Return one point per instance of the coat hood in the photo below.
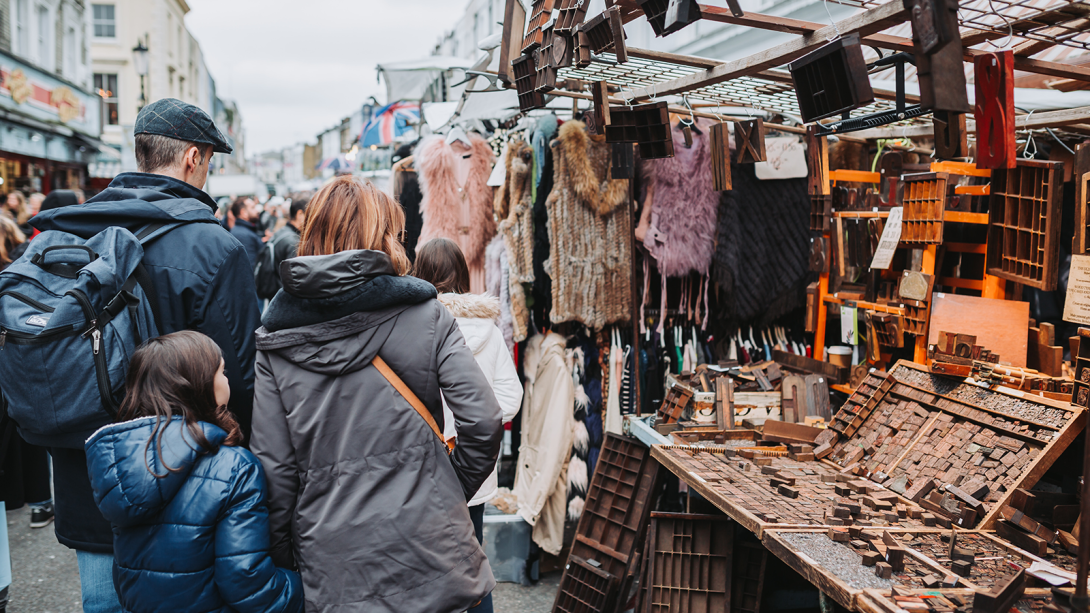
(336, 311)
(323, 288)
(118, 462)
(476, 315)
(132, 200)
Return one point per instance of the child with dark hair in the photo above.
(187, 505)
(440, 262)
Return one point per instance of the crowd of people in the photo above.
(300, 420)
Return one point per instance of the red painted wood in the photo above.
(994, 76)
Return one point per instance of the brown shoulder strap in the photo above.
(408, 394)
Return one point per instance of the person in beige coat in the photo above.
(548, 426)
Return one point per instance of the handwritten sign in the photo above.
(1077, 305)
(891, 235)
(786, 159)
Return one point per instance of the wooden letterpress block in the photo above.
(749, 141)
(938, 54)
(994, 77)
(960, 553)
(951, 136)
(788, 491)
(839, 535)
(871, 558)
(961, 568)
(720, 149)
(883, 570)
(931, 581)
(817, 161)
(842, 490)
(600, 93)
(769, 470)
(841, 512)
(761, 461)
(928, 519)
(895, 557)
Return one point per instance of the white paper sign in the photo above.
(786, 159)
(1077, 305)
(499, 171)
(891, 235)
(849, 326)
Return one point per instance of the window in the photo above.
(179, 39)
(70, 53)
(170, 34)
(22, 28)
(181, 87)
(44, 40)
(106, 88)
(105, 23)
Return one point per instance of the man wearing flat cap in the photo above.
(201, 280)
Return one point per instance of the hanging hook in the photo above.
(833, 21)
(1006, 22)
(904, 136)
(692, 117)
(718, 113)
(1026, 153)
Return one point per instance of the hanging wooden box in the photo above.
(525, 83)
(939, 63)
(685, 12)
(924, 204)
(645, 124)
(832, 80)
(554, 54)
(540, 13)
(571, 14)
(951, 137)
(605, 32)
(719, 140)
(821, 211)
(1024, 223)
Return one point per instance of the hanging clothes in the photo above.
(762, 257)
(405, 188)
(514, 209)
(589, 227)
(548, 429)
(616, 368)
(679, 217)
(457, 202)
(543, 285)
(497, 283)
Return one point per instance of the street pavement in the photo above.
(45, 578)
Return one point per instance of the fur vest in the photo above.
(514, 208)
(461, 213)
(684, 206)
(590, 224)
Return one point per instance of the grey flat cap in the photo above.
(178, 120)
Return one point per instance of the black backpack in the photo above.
(266, 276)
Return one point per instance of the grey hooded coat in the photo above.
(362, 494)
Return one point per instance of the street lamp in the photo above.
(140, 63)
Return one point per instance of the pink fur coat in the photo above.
(462, 213)
(684, 206)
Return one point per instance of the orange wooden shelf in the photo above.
(977, 284)
(964, 169)
(962, 217)
(980, 248)
(866, 306)
(855, 176)
(973, 190)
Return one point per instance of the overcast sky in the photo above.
(297, 67)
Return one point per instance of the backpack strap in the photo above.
(408, 394)
(143, 278)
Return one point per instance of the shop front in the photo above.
(49, 130)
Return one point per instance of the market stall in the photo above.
(800, 310)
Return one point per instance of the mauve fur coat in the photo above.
(589, 227)
(435, 163)
(683, 207)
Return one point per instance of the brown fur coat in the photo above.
(590, 223)
(514, 208)
(464, 217)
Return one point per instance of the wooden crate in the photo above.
(584, 588)
(924, 205)
(832, 80)
(914, 424)
(690, 563)
(615, 518)
(1024, 223)
(1081, 176)
(540, 14)
(570, 15)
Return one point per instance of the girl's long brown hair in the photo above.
(441, 262)
(174, 375)
(351, 213)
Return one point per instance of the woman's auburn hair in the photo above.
(350, 213)
(174, 376)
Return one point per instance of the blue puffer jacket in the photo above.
(195, 540)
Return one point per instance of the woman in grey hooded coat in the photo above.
(362, 495)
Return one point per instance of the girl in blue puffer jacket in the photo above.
(187, 505)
